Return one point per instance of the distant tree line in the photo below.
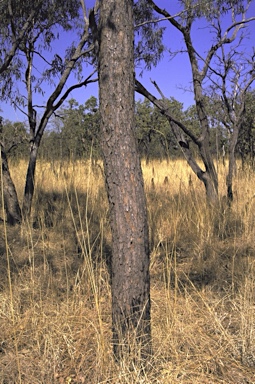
(73, 133)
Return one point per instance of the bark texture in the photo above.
(11, 203)
(124, 181)
(30, 183)
(232, 162)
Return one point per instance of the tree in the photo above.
(124, 182)
(79, 129)
(200, 67)
(61, 67)
(54, 20)
(9, 192)
(246, 139)
(231, 78)
(16, 21)
(14, 138)
(90, 140)
(73, 130)
(155, 140)
(48, 22)
(218, 133)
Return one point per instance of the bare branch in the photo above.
(84, 83)
(69, 66)
(83, 6)
(177, 127)
(167, 15)
(164, 109)
(237, 25)
(159, 20)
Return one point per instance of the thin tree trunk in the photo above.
(128, 214)
(30, 185)
(209, 175)
(12, 207)
(232, 163)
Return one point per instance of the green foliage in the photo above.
(78, 134)
(48, 13)
(50, 19)
(217, 132)
(155, 137)
(74, 133)
(246, 139)
(211, 8)
(149, 45)
(14, 139)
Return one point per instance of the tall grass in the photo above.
(55, 304)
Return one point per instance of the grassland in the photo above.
(55, 305)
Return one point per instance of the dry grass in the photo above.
(55, 315)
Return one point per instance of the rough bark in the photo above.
(124, 182)
(30, 183)
(232, 163)
(11, 203)
(209, 176)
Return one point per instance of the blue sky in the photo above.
(172, 75)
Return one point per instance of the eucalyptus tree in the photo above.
(46, 70)
(17, 18)
(72, 130)
(79, 130)
(90, 140)
(155, 139)
(201, 64)
(218, 133)
(146, 130)
(16, 22)
(231, 78)
(14, 139)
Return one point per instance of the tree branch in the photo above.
(176, 126)
(164, 109)
(16, 41)
(167, 15)
(84, 83)
(237, 25)
(159, 20)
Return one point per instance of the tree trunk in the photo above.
(209, 177)
(11, 203)
(232, 163)
(124, 182)
(29, 186)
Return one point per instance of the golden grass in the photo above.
(55, 307)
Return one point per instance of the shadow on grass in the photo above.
(65, 234)
(200, 248)
(196, 246)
